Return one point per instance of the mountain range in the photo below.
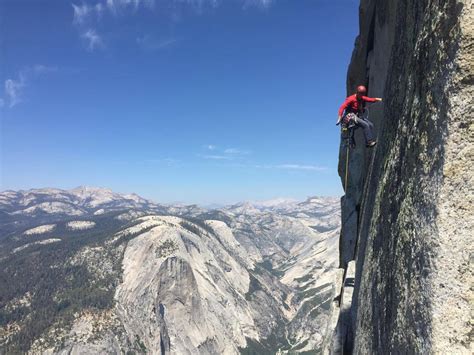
(89, 270)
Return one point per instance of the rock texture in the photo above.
(137, 277)
(407, 215)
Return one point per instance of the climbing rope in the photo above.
(364, 197)
(349, 142)
(347, 169)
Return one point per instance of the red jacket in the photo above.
(353, 105)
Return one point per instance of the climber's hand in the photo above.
(338, 120)
(379, 99)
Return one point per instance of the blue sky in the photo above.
(198, 101)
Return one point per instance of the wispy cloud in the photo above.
(14, 88)
(39, 69)
(215, 157)
(84, 12)
(241, 158)
(237, 158)
(301, 167)
(115, 6)
(81, 13)
(92, 39)
(231, 161)
(89, 17)
(293, 167)
(170, 162)
(200, 4)
(149, 43)
(223, 154)
(259, 3)
(235, 151)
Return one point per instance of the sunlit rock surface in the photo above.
(407, 217)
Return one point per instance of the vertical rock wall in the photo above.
(408, 209)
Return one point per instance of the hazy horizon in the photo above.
(209, 204)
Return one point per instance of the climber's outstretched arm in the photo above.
(371, 99)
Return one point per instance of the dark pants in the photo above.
(368, 128)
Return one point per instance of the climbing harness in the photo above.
(349, 124)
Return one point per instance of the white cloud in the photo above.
(86, 15)
(148, 43)
(116, 5)
(214, 3)
(215, 157)
(111, 5)
(90, 15)
(14, 88)
(171, 162)
(226, 154)
(301, 167)
(38, 69)
(260, 3)
(237, 158)
(83, 13)
(92, 39)
(235, 151)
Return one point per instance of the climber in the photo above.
(351, 112)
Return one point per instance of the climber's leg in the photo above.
(368, 128)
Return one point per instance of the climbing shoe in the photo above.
(371, 144)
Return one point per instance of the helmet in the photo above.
(361, 90)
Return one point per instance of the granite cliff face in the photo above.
(407, 215)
